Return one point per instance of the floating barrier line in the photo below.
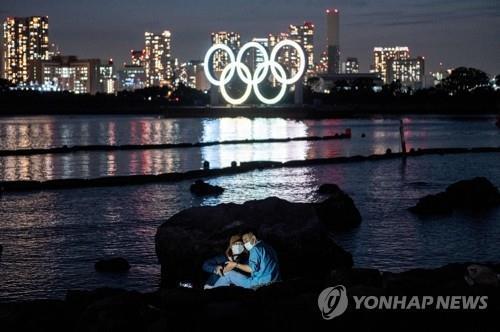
(111, 181)
(89, 148)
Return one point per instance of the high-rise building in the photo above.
(381, 55)
(284, 55)
(158, 58)
(274, 39)
(350, 66)
(220, 58)
(53, 50)
(322, 66)
(201, 81)
(192, 75)
(25, 39)
(107, 78)
(333, 40)
(256, 57)
(68, 73)
(137, 57)
(2, 64)
(304, 36)
(410, 72)
(131, 77)
(439, 75)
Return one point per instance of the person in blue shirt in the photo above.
(262, 266)
(214, 266)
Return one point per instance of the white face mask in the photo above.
(248, 246)
(237, 248)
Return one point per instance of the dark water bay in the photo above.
(51, 239)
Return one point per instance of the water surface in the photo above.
(51, 239)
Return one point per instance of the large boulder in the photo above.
(329, 189)
(124, 311)
(292, 305)
(338, 212)
(474, 194)
(201, 188)
(302, 241)
(112, 265)
(481, 275)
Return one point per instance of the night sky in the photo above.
(455, 32)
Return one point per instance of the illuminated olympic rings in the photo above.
(236, 66)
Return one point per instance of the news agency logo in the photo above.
(333, 302)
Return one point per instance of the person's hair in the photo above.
(249, 231)
(232, 240)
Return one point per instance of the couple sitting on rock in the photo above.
(247, 263)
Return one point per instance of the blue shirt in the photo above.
(264, 264)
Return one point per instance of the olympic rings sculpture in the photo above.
(236, 66)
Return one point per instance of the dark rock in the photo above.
(290, 305)
(126, 311)
(433, 204)
(329, 188)
(81, 299)
(356, 276)
(201, 188)
(292, 229)
(481, 275)
(260, 164)
(113, 265)
(443, 280)
(36, 315)
(281, 304)
(338, 212)
(473, 194)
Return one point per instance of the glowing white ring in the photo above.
(260, 74)
(301, 55)
(230, 68)
(281, 94)
(206, 64)
(260, 78)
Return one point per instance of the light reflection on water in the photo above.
(51, 239)
(16, 133)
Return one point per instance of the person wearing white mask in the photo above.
(215, 265)
(262, 266)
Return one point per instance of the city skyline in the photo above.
(440, 31)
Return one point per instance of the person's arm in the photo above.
(252, 266)
(210, 265)
(233, 265)
(244, 267)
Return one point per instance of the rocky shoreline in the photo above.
(310, 262)
(289, 306)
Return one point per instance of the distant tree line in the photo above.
(468, 86)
